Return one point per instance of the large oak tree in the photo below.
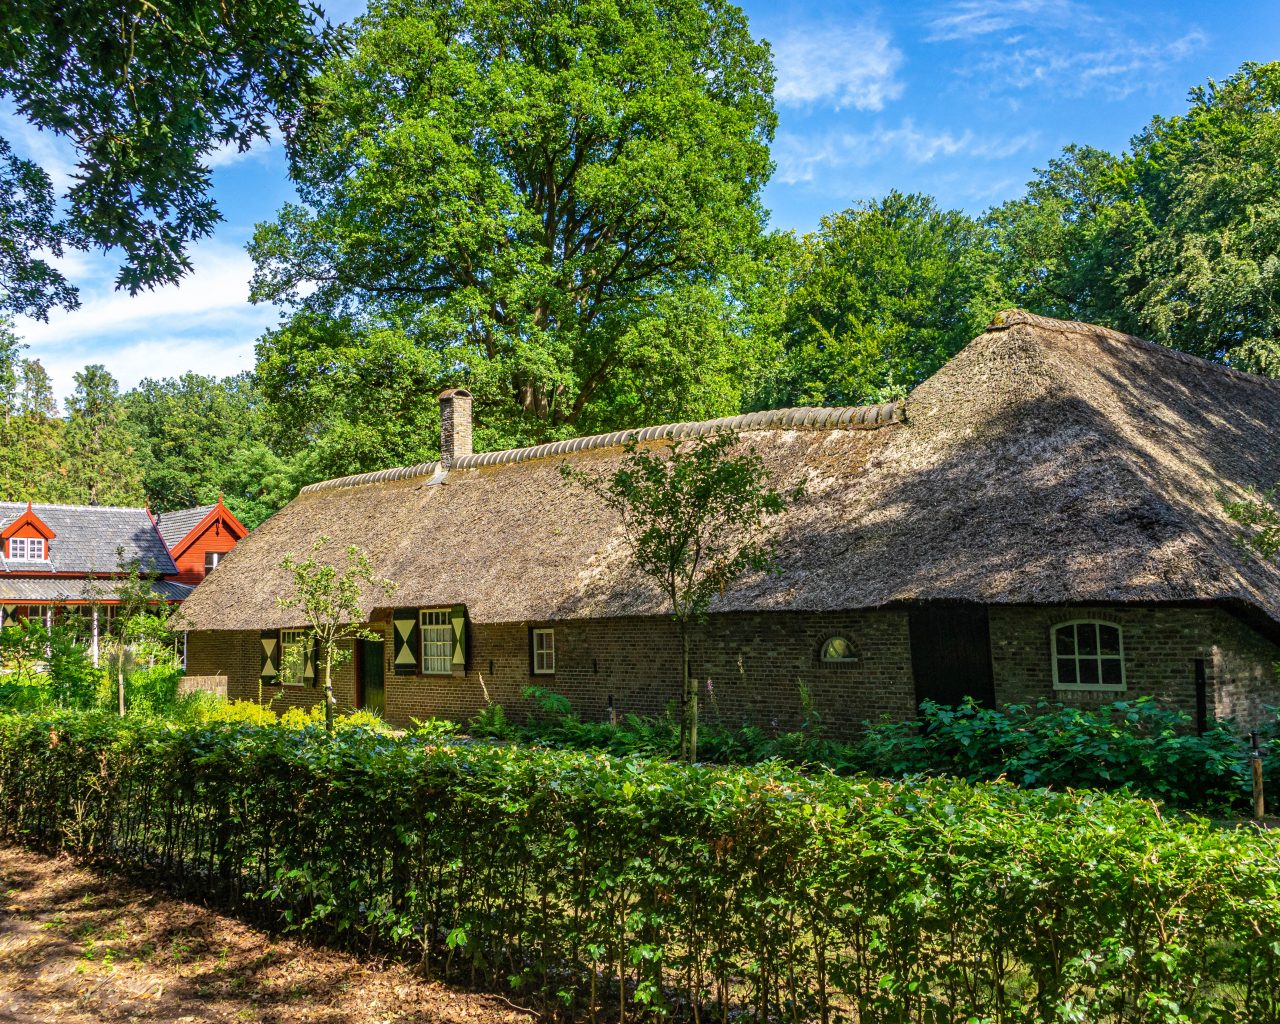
(555, 199)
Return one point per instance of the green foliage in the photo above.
(200, 437)
(1258, 515)
(330, 601)
(661, 891)
(1176, 240)
(45, 668)
(558, 203)
(145, 93)
(101, 449)
(878, 299)
(695, 516)
(1139, 746)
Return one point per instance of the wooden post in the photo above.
(95, 636)
(1255, 763)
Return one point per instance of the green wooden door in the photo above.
(371, 667)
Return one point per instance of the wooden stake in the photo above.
(1255, 763)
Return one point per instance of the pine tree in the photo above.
(101, 448)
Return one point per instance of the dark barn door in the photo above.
(370, 666)
(951, 655)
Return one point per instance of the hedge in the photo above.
(625, 887)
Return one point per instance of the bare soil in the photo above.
(86, 945)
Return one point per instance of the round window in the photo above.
(838, 649)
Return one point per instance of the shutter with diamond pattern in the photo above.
(270, 674)
(405, 646)
(458, 620)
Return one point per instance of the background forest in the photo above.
(564, 214)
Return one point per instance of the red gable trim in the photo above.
(219, 512)
(28, 518)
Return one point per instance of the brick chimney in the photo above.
(455, 424)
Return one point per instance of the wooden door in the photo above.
(370, 665)
(951, 654)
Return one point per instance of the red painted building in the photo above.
(55, 559)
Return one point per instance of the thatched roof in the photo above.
(1048, 462)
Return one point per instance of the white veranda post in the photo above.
(95, 636)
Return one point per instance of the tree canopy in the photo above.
(1177, 240)
(144, 92)
(550, 200)
(877, 299)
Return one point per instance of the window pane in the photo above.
(837, 649)
(1087, 638)
(1089, 672)
(1066, 640)
(437, 642)
(1111, 672)
(1109, 639)
(1067, 672)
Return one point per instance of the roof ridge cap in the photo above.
(846, 417)
(1007, 318)
(83, 508)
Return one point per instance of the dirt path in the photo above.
(80, 945)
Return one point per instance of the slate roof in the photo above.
(87, 539)
(64, 590)
(174, 526)
(1049, 462)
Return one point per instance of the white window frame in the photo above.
(853, 651)
(544, 658)
(292, 674)
(30, 545)
(1077, 657)
(216, 556)
(436, 628)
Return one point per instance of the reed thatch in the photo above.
(1049, 462)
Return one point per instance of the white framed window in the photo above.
(293, 656)
(28, 549)
(544, 652)
(839, 651)
(437, 642)
(211, 560)
(1087, 655)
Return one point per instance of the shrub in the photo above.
(660, 890)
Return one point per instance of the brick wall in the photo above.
(758, 665)
(1161, 647)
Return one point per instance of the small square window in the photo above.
(211, 560)
(544, 652)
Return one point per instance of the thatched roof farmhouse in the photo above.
(1039, 519)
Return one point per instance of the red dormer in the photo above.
(198, 538)
(27, 540)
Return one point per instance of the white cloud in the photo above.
(802, 160)
(969, 19)
(54, 153)
(205, 324)
(1118, 69)
(1115, 53)
(842, 66)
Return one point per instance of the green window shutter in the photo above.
(458, 619)
(270, 673)
(406, 648)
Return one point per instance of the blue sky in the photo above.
(961, 99)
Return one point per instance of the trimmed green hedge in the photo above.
(741, 892)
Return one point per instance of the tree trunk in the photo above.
(328, 693)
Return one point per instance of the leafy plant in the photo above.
(654, 890)
(695, 515)
(330, 603)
